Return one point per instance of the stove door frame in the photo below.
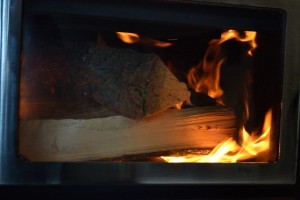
(16, 171)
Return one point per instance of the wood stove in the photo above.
(149, 92)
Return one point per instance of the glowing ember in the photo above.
(132, 38)
(230, 151)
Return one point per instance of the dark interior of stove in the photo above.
(180, 41)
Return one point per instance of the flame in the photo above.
(205, 77)
(209, 81)
(249, 36)
(131, 38)
(178, 105)
(157, 43)
(230, 151)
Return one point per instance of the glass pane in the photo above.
(95, 88)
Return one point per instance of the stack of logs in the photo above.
(90, 102)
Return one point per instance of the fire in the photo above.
(249, 36)
(230, 151)
(205, 77)
(131, 38)
(209, 81)
(178, 106)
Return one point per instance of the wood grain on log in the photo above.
(77, 140)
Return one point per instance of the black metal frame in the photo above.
(16, 171)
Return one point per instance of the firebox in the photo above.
(149, 92)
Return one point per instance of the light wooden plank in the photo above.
(115, 136)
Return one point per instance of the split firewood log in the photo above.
(117, 136)
(127, 82)
(131, 84)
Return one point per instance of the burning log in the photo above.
(115, 136)
(127, 82)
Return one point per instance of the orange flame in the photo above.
(208, 82)
(132, 38)
(230, 151)
(249, 36)
(129, 38)
(179, 105)
(205, 77)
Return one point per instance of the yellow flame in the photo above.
(230, 151)
(131, 38)
(205, 78)
(249, 36)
